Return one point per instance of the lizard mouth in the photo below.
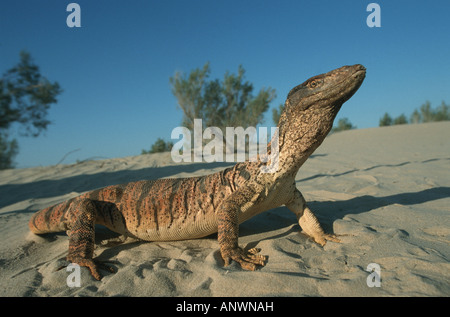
(352, 81)
(344, 89)
(360, 72)
(356, 75)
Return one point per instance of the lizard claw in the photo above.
(93, 266)
(249, 260)
(324, 237)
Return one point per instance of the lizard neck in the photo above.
(292, 154)
(298, 138)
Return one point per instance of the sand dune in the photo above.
(385, 190)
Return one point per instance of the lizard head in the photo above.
(313, 105)
(330, 89)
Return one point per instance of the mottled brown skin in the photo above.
(188, 208)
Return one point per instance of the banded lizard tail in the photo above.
(188, 208)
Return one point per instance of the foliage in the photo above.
(401, 119)
(25, 97)
(8, 150)
(386, 120)
(276, 114)
(342, 125)
(159, 146)
(428, 114)
(424, 114)
(219, 103)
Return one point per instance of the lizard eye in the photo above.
(315, 83)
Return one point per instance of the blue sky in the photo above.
(115, 69)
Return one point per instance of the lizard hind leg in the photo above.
(81, 218)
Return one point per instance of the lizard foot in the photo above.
(93, 266)
(249, 260)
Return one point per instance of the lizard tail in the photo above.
(48, 220)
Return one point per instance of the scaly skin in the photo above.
(188, 208)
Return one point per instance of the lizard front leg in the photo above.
(81, 217)
(228, 231)
(308, 221)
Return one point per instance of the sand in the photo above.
(385, 190)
